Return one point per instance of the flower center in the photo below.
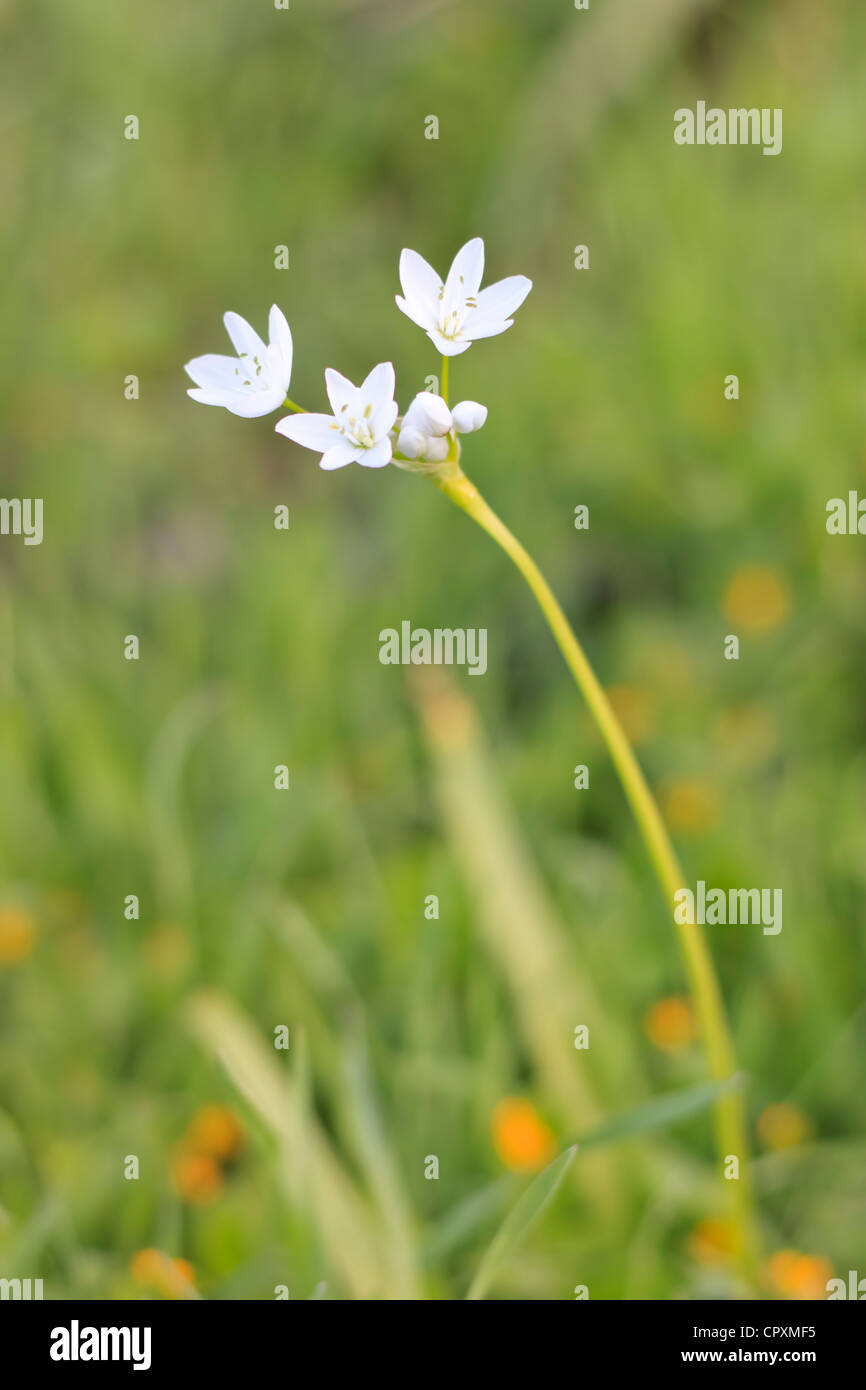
(360, 431)
(454, 313)
(252, 372)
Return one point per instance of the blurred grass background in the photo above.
(412, 1037)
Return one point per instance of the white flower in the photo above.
(428, 414)
(428, 422)
(359, 429)
(257, 380)
(410, 443)
(469, 416)
(453, 315)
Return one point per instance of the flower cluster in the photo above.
(365, 425)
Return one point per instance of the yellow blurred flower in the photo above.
(713, 1241)
(521, 1138)
(196, 1176)
(216, 1131)
(796, 1275)
(17, 934)
(757, 598)
(690, 805)
(781, 1126)
(670, 1024)
(635, 710)
(155, 1270)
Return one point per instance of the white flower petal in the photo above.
(435, 449)
(342, 393)
(498, 302)
(488, 328)
(429, 414)
(319, 432)
(251, 404)
(244, 338)
(421, 285)
(216, 372)
(377, 457)
(447, 346)
(467, 268)
(275, 373)
(469, 416)
(382, 420)
(339, 455)
(377, 388)
(410, 442)
(247, 404)
(208, 397)
(280, 336)
(425, 318)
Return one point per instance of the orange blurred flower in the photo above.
(781, 1126)
(757, 598)
(713, 1241)
(196, 1176)
(522, 1140)
(216, 1131)
(17, 933)
(155, 1270)
(670, 1024)
(797, 1275)
(690, 805)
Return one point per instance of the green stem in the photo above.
(731, 1130)
(289, 404)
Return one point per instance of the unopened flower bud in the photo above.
(410, 442)
(429, 414)
(436, 449)
(469, 416)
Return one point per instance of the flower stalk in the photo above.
(731, 1130)
(365, 427)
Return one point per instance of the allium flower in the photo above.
(363, 429)
(453, 315)
(359, 429)
(257, 380)
(428, 422)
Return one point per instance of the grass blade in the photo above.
(518, 1221)
(659, 1113)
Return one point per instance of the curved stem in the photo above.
(731, 1129)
